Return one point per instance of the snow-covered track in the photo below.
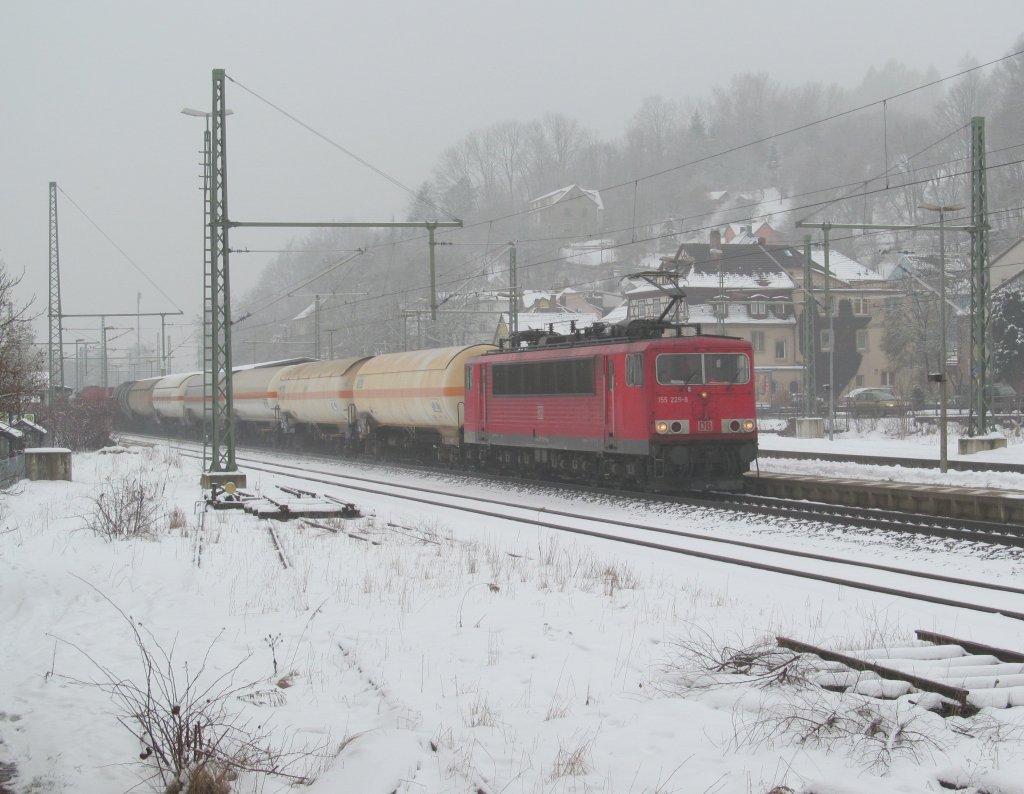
(876, 460)
(920, 585)
(972, 505)
(964, 529)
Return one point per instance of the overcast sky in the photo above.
(92, 91)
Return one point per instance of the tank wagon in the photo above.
(649, 403)
(414, 399)
(169, 395)
(316, 398)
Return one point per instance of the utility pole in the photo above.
(831, 339)
(56, 377)
(809, 335)
(316, 327)
(103, 351)
(138, 327)
(721, 302)
(941, 374)
(513, 292)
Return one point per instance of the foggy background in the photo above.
(92, 94)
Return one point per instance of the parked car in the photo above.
(872, 401)
(820, 404)
(1002, 399)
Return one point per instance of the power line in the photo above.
(119, 249)
(766, 138)
(693, 230)
(341, 148)
(305, 283)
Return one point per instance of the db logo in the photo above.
(704, 425)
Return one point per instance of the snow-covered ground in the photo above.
(452, 653)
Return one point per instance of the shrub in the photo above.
(127, 508)
(192, 742)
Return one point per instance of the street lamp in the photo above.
(942, 209)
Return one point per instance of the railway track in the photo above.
(946, 525)
(875, 518)
(908, 463)
(920, 585)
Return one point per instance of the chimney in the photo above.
(716, 238)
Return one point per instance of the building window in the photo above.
(886, 378)
(780, 349)
(757, 341)
(860, 306)
(862, 340)
(759, 308)
(859, 381)
(780, 309)
(721, 306)
(826, 340)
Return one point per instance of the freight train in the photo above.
(650, 404)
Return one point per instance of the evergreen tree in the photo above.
(1008, 334)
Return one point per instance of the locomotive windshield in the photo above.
(687, 369)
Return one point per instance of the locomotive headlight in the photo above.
(703, 395)
(661, 427)
(749, 425)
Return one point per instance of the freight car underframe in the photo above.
(718, 462)
(714, 463)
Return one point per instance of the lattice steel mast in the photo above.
(56, 341)
(218, 301)
(981, 315)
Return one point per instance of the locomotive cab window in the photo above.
(568, 376)
(635, 369)
(679, 369)
(727, 368)
(688, 369)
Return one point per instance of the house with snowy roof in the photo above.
(738, 290)
(570, 211)
(749, 233)
(757, 292)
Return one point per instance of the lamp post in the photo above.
(942, 209)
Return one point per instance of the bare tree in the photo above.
(20, 367)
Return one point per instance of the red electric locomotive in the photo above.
(621, 405)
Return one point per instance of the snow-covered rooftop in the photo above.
(562, 321)
(844, 268)
(558, 195)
